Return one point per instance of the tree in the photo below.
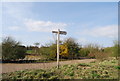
(68, 49)
(63, 51)
(72, 48)
(12, 50)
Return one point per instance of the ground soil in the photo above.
(11, 67)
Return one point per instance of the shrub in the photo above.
(84, 52)
(90, 50)
(101, 55)
(12, 50)
(72, 48)
(49, 52)
(116, 49)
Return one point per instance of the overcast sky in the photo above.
(87, 22)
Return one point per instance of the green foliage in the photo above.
(94, 74)
(101, 55)
(31, 74)
(53, 51)
(93, 51)
(36, 49)
(117, 67)
(92, 47)
(75, 71)
(73, 48)
(84, 52)
(83, 64)
(109, 51)
(90, 50)
(116, 49)
(30, 51)
(12, 50)
(49, 52)
(69, 49)
(109, 61)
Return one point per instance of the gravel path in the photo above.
(10, 67)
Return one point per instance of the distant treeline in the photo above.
(69, 49)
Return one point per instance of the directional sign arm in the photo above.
(54, 32)
(60, 32)
(63, 32)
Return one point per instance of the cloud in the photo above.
(14, 28)
(110, 31)
(43, 26)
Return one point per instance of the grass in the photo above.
(107, 69)
(30, 51)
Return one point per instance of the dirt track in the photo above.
(10, 67)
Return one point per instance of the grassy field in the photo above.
(30, 52)
(107, 69)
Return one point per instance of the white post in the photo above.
(58, 38)
(58, 41)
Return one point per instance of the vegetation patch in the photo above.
(75, 71)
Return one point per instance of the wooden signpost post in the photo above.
(58, 39)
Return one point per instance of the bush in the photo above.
(84, 52)
(12, 50)
(101, 55)
(49, 52)
(72, 48)
(114, 50)
(89, 50)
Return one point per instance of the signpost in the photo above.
(58, 39)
